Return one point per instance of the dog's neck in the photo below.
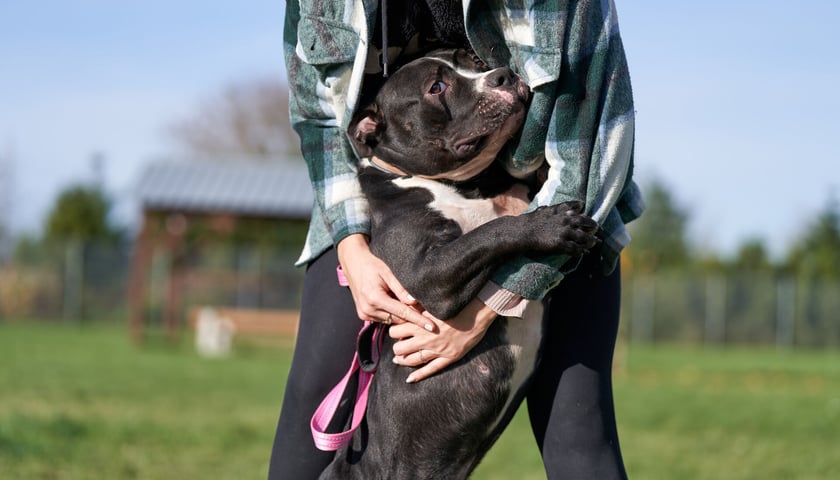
(464, 173)
(492, 181)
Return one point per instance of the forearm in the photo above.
(315, 107)
(585, 135)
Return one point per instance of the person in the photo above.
(580, 123)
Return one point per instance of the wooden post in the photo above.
(176, 227)
(141, 259)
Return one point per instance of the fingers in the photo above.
(429, 369)
(413, 316)
(374, 288)
(415, 359)
(429, 362)
(374, 303)
(400, 313)
(403, 310)
(397, 289)
(409, 338)
(433, 352)
(412, 347)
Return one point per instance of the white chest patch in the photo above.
(467, 213)
(523, 334)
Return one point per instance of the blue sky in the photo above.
(737, 101)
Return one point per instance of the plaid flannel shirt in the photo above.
(581, 118)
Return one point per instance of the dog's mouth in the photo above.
(471, 144)
(496, 119)
(500, 125)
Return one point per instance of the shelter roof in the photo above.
(277, 189)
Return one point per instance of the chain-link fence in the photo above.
(77, 282)
(71, 281)
(88, 282)
(760, 309)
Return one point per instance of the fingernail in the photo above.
(410, 379)
(410, 298)
(428, 327)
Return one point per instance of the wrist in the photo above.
(350, 246)
(484, 316)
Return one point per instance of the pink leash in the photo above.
(326, 411)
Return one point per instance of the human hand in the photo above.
(437, 350)
(378, 295)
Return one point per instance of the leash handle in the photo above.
(322, 417)
(329, 442)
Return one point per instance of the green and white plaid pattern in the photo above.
(581, 119)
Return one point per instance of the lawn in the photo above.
(80, 402)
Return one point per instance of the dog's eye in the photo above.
(437, 88)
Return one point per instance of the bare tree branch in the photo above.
(247, 120)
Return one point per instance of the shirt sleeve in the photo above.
(583, 124)
(319, 61)
(503, 302)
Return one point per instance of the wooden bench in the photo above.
(252, 321)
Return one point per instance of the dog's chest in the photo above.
(468, 213)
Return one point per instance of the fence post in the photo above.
(73, 283)
(644, 298)
(715, 325)
(785, 312)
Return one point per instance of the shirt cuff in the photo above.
(504, 302)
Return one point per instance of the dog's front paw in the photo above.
(563, 228)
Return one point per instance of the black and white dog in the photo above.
(429, 143)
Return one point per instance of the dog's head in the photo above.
(445, 115)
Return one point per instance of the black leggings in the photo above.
(569, 402)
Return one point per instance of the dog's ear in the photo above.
(365, 129)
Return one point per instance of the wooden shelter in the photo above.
(187, 204)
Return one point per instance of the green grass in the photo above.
(83, 403)
(79, 403)
(730, 413)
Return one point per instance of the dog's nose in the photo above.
(500, 77)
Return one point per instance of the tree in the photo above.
(659, 235)
(817, 253)
(752, 257)
(247, 120)
(80, 213)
